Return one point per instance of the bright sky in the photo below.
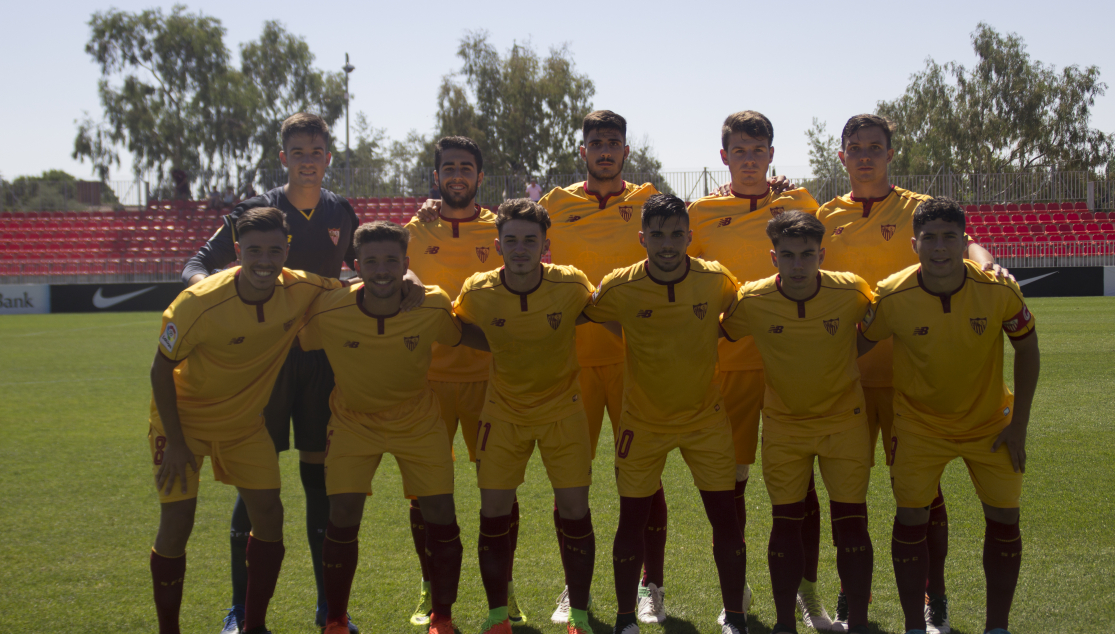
(674, 70)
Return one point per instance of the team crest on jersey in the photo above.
(482, 253)
(837, 231)
(335, 235)
(625, 212)
(554, 319)
(700, 310)
(411, 342)
(724, 222)
(287, 325)
(979, 324)
(887, 231)
(432, 250)
(832, 325)
(777, 211)
(169, 336)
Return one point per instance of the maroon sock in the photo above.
(937, 536)
(727, 547)
(418, 535)
(785, 558)
(513, 537)
(741, 509)
(443, 547)
(654, 541)
(1002, 559)
(167, 576)
(494, 548)
(811, 532)
(560, 540)
(855, 557)
(910, 555)
(265, 559)
(579, 544)
(627, 550)
(340, 553)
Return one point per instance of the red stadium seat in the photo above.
(1103, 215)
(995, 230)
(1081, 206)
(1040, 207)
(1073, 216)
(1078, 228)
(1022, 230)
(1017, 219)
(1087, 216)
(1045, 218)
(982, 230)
(1059, 217)
(1030, 218)
(975, 220)
(1091, 227)
(989, 219)
(1056, 238)
(1002, 219)
(1009, 230)
(1012, 207)
(971, 209)
(1042, 239)
(1107, 227)
(985, 209)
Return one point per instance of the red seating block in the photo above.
(1059, 217)
(1030, 218)
(985, 209)
(1103, 215)
(971, 209)
(975, 220)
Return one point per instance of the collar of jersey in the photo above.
(360, 305)
(604, 200)
(871, 200)
(646, 267)
(469, 219)
(503, 281)
(778, 284)
(749, 197)
(921, 283)
(278, 283)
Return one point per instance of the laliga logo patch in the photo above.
(170, 335)
(625, 212)
(411, 342)
(554, 319)
(832, 325)
(700, 310)
(335, 236)
(979, 324)
(482, 253)
(887, 231)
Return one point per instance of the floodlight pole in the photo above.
(348, 68)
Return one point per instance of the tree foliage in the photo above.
(1008, 113)
(823, 160)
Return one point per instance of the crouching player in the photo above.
(668, 306)
(528, 311)
(223, 343)
(803, 321)
(950, 401)
(382, 403)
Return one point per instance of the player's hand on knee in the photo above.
(176, 457)
(1000, 272)
(1014, 437)
(779, 184)
(429, 210)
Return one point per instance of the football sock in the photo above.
(811, 532)
(513, 537)
(738, 619)
(741, 508)
(494, 547)
(937, 536)
(418, 536)
(167, 576)
(910, 555)
(1002, 559)
(623, 619)
(317, 517)
(443, 543)
(727, 547)
(785, 558)
(238, 548)
(560, 541)
(579, 544)
(339, 554)
(654, 542)
(855, 557)
(627, 551)
(264, 560)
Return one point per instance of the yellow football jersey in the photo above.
(731, 229)
(534, 374)
(597, 234)
(948, 351)
(809, 351)
(231, 350)
(445, 253)
(671, 381)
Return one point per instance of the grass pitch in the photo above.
(80, 513)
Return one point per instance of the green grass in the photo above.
(79, 512)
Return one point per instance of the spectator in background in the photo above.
(534, 192)
(181, 180)
(229, 199)
(250, 192)
(214, 199)
(435, 191)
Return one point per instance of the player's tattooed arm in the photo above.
(473, 337)
(414, 292)
(177, 454)
(429, 210)
(1027, 367)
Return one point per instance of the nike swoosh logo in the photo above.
(100, 301)
(1034, 279)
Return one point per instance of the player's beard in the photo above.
(381, 292)
(459, 201)
(601, 176)
(668, 267)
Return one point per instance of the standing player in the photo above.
(222, 345)
(528, 311)
(803, 322)
(668, 306)
(867, 231)
(445, 252)
(383, 404)
(945, 315)
(730, 227)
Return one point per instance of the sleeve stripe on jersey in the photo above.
(840, 288)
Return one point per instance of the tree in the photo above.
(823, 160)
(1008, 113)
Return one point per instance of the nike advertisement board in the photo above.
(1081, 281)
(112, 298)
(24, 299)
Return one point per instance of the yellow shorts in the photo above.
(356, 444)
(461, 402)
(743, 396)
(880, 416)
(504, 449)
(917, 463)
(844, 458)
(602, 388)
(641, 456)
(249, 463)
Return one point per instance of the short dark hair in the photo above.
(603, 120)
(753, 124)
(458, 143)
(939, 208)
(522, 209)
(663, 206)
(305, 123)
(381, 231)
(861, 121)
(261, 219)
(795, 224)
